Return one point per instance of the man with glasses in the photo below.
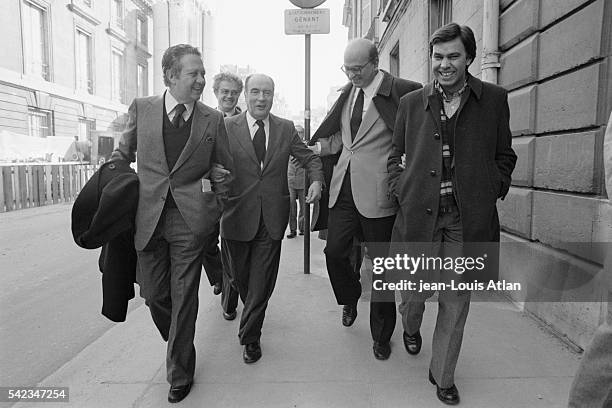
(355, 137)
(257, 212)
(227, 88)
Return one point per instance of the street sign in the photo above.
(307, 3)
(307, 21)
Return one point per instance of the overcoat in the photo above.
(482, 165)
(367, 153)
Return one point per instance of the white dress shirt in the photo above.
(171, 103)
(253, 126)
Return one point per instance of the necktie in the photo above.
(356, 115)
(178, 119)
(259, 142)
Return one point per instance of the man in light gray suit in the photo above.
(177, 140)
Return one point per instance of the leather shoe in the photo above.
(301, 232)
(252, 352)
(381, 350)
(449, 396)
(177, 394)
(413, 343)
(217, 288)
(229, 315)
(292, 234)
(349, 314)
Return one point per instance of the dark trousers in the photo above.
(296, 221)
(453, 307)
(169, 277)
(253, 265)
(345, 223)
(215, 272)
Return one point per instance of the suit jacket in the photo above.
(103, 215)
(483, 162)
(367, 154)
(207, 144)
(262, 192)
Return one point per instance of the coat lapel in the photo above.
(154, 123)
(243, 135)
(199, 124)
(370, 116)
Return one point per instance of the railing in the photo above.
(34, 185)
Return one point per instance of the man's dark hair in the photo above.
(451, 31)
(171, 61)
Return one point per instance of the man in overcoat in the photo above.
(176, 139)
(354, 141)
(452, 160)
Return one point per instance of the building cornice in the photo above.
(82, 12)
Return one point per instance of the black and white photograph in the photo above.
(306, 203)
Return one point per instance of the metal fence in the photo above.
(34, 185)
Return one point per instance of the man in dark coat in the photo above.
(356, 138)
(455, 137)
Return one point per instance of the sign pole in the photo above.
(306, 226)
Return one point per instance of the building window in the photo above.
(35, 40)
(117, 13)
(142, 31)
(83, 54)
(40, 122)
(86, 126)
(394, 61)
(143, 81)
(440, 13)
(117, 75)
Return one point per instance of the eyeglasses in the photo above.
(226, 92)
(354, 70)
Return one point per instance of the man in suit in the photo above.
(177, 140)
(455, 137)
(359, 128)
(227, 88)
(295, 180)
(255, 219)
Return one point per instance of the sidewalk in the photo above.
(311, 360)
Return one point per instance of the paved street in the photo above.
(309, 359)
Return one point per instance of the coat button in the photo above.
(429, 211)
(111, 166)
(433, 173)
(437, 136)
(163, 198)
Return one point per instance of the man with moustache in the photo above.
(176, 139)
(455, 138)
(355, 140)
(227, 88)
(255, 219)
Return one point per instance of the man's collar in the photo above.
(251, 120)
(474, 85)
(234, 111)
(371, 89)
(170, 103)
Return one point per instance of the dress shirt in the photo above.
(171, 103)
(253, 126)
(368, 92)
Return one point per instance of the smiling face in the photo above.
(227, 95)
(188, 84)
(449, 64)
(259, 95)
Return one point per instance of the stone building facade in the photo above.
(554, 59)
